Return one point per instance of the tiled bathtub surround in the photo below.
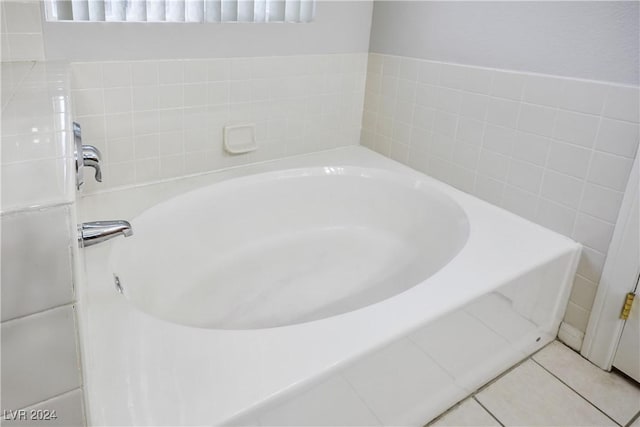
(161, 119)
(21, 30)
(40, 360)
(557, 151)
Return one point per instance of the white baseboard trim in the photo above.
(571, 336)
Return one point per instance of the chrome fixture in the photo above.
(92, 233)
(86, 155)
(91, 157)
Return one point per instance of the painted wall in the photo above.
(339, 27)
(593, 40)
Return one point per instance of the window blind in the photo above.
(181, 10)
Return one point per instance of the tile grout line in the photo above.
(633, 419)
(55, 307)
(485, 386)
(487, 410)
(575, 391)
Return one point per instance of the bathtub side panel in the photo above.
(417, 377)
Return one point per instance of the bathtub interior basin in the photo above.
(287, 247)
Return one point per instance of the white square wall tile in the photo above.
(474, 105)
(601, 202)
(117, 74)
(117, 100)
(144, 73)
(536, 119)
(170, 72)
(618, 137)
(502, 112)
(529, 395)
(498, 139)
(582, 96)
(409, 68)
(520, 202)
(622, 103)
(399, 383)
(39, 357)
(508, 85)
(330, 403)
(562, 188)
(429, 72)
(493, 165)
(488, 189)
(477, 80)
(525, 176)
(467, 414)
(470, 131)
(593, 232)
(555, 216)
(86, 75)
(609, 170)
(569, 159)
(22, 17)
(583, 292)
(577, 316)
(542, 90)
(26, 289)
(576, 128)
(531, 148)
(36, 182)
(611, 393)
(591, 264)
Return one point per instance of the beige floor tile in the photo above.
(529, 395)
(468, 414)
(613, 394)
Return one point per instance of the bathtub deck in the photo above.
(553, 387)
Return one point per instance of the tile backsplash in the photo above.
(554, 150)
(21, 30)
(160, 119)
(40, 351)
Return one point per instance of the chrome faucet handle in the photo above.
(91, 157)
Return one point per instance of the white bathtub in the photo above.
(338, 288)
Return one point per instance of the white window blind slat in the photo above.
(260, 10)
(217, 11)
(307, 10)
(136, 10)
(115, 10)
(245, 10)
(175, 10)
(155, 11)
(96, 10)
(194, 11)
(275, 10)
(213, 10)
(292, 10)
(80, 10)
(229, 10)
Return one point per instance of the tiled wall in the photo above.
(160, 119)
(21, 29)
(40, 353)
(557, 151)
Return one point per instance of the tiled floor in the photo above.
(555, 387)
